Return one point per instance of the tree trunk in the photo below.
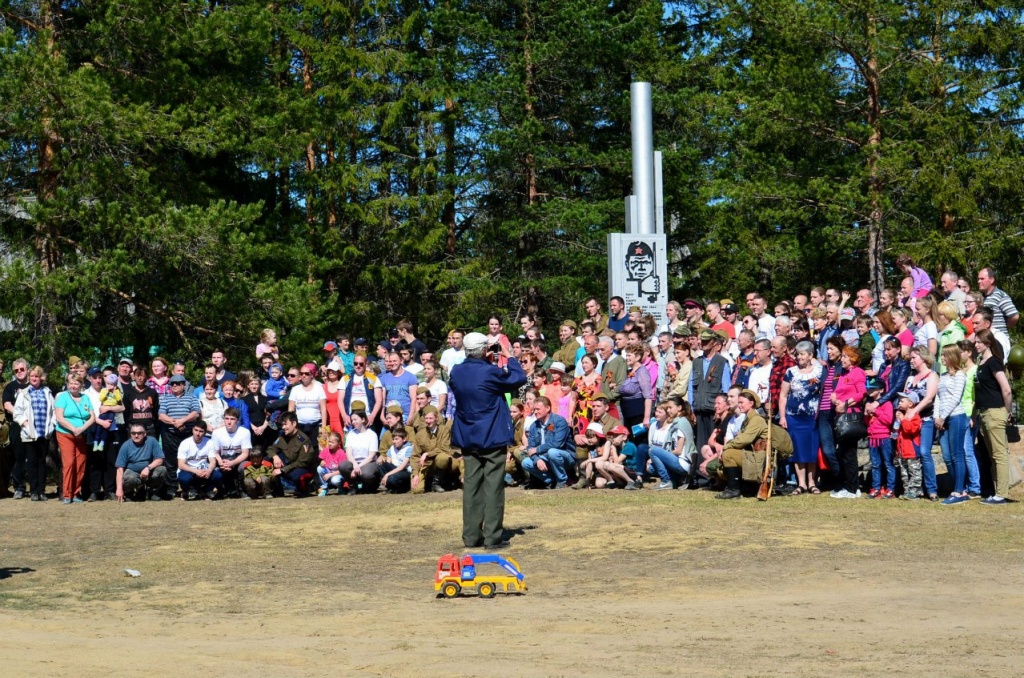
(876, 233)
(46, 231)
(307, 88)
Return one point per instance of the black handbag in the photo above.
(1012, 432)
(850, 426)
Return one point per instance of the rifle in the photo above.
(768, 479)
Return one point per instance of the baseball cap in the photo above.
(692, 303)
(94, 372)
(911, 396)
(177, 379)
(330, 346)
(619, 430)
(126, 361)
(474, 341)
(730, 308)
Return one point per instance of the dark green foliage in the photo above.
(182, 174)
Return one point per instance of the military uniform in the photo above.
(567, 353)
(297, 455)
(436, 444)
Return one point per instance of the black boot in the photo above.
(732, 488)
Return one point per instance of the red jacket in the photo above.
(909, 438)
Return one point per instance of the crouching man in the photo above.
(140, 467)
(197, 470)
(293, 454)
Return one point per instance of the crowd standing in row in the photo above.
(620, 402)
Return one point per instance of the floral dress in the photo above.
(802, 405)
(585, 395)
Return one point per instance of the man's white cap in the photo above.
(474, 341)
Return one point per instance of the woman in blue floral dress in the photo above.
(799, 400)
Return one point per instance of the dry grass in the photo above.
(624, 583)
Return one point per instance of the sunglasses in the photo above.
(138, 433)
(20, 369)
(306, 374)
(357, 364)
(292, 375)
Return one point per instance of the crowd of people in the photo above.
(622, 402)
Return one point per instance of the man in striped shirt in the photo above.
(178, 411)
(1004, 313)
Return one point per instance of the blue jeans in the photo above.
(639, 458)
(973, 474)
(924, 453)
(667, 465)
(828, 443)
(557, 461)
(953, 453)
(881, 456)
(333, 481)
(190, 481)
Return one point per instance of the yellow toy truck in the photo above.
(455, 574)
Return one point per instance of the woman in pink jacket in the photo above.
(848, 396)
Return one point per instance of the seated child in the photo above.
(397, 476)
(258, 476)
(273, 389)
(597, 453)
(268, 345)
(331, 458)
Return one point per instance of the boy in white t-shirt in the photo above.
(231, 445)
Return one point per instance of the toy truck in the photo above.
(455, 574)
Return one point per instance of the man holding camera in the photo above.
(483, 430)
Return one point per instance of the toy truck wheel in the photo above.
(450, 590)
(486, 589)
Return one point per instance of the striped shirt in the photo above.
(179, 407)
(830, 383)
(1002, 308)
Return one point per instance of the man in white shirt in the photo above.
(197, 470)
(409, 362)
(454, 354)
(758, 377)
(231, 445)
(765, 322)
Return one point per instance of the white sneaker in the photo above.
(842, 494)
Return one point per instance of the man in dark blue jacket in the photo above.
(483, 429)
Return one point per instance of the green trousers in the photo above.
(483, 497)
(993, 431)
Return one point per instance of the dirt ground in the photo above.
(620, 583)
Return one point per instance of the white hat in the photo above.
(557, 367)
(335, 365)
(596, 428)
(474, 341)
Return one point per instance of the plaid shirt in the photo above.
(37, 396)
(779, 368)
